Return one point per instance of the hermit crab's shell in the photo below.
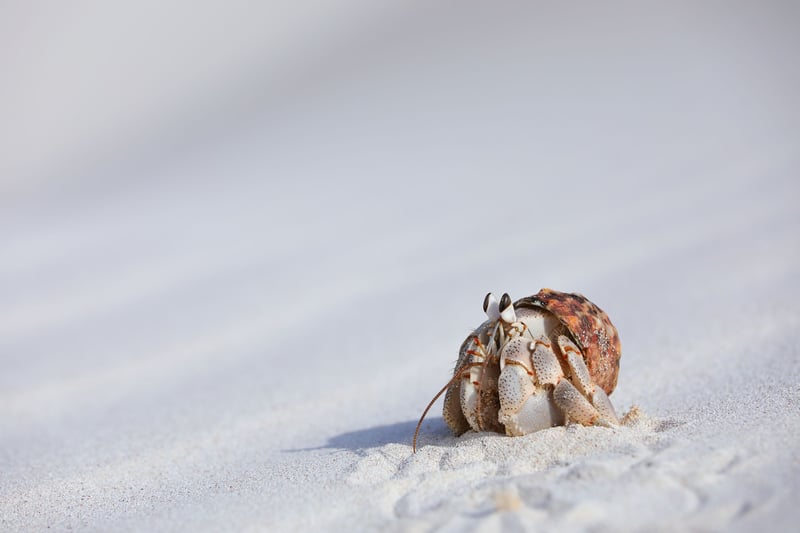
(589, 327)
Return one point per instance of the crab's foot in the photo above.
(581, 400)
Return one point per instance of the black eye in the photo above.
(505, 301)
(486, 301)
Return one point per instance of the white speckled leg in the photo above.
(574, 404)
(579, 398)
(608, 416)
(545, 363)
(515, 387)
(469, 391)
(579, 373)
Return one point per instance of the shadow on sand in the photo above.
(399, 433)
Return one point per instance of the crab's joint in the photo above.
(519, 327)
(465, 368)
(465, 372)
(520, 364)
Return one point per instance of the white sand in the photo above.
(241, 333)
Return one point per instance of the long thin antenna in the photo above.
(456, 375)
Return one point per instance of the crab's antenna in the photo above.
(456, 375)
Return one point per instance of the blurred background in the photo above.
(215, 212)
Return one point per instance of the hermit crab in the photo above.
(542, 361)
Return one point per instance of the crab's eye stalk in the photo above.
(507, 309)
(491, 307)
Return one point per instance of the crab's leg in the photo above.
(580, 399)
(545, 362)
(479, 400)
(472, 378)
(480, 384)
(603, 405)
(525, 407)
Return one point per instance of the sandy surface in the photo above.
(239, 333)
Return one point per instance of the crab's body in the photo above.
(545, 360)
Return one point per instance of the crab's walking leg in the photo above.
(580, 399)
(479, 387)
(470, 382)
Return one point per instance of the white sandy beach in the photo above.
(227, 310)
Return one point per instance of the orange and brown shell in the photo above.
(589, 327)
